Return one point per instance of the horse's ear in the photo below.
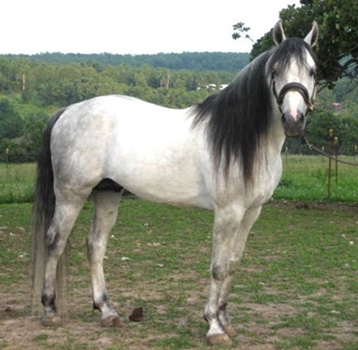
(278, 34)
(312, 37)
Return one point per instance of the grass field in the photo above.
(304, 179)
(297, 287)
(17, 182)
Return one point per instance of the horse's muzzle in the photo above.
(293, 125)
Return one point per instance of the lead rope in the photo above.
(319, 151)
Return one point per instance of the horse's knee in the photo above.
(219, 272)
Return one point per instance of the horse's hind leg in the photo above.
(66, 212)
(104, 217)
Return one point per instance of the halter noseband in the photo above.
(292, 87)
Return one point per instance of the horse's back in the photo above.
(150, 150)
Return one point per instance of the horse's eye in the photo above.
(312, 72)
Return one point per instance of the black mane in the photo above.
(281, 55)
(240, 115)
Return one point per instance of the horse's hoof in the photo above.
(111, 321)
(230, 331)
(219, 339)
(50, 321)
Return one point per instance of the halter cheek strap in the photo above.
(293, 87)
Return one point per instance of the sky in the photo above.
(133, 26)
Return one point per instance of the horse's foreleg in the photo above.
(231, 229)
(104, 217)
(56, 239)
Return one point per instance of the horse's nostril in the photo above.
(288, 118)
(301, 117)
(293, 125)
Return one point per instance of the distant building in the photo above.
(212, 87)
(336, 106)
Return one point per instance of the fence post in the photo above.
(7, 154)
(336, 156)
(330, 151)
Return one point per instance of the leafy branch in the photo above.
(241, 30)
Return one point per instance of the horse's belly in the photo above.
(179, 182)
(171, 196)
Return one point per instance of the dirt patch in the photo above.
(316, 205)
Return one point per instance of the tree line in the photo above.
(194, 61)
(32, 89)
(45, 84)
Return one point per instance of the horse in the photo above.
(223, 154)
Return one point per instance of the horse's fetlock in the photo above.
(100, 303)
(48, 301)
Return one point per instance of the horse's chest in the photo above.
(266, 183)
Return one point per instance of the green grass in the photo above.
(17, 182)
(296, 289)
(305, 178)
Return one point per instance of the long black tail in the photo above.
(43, 211)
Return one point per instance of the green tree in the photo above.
(344, 126)
(349, 134)
(82, 89)
(32, 135)
(10, 121)
(338, 23)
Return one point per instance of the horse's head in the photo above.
(292, 74)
